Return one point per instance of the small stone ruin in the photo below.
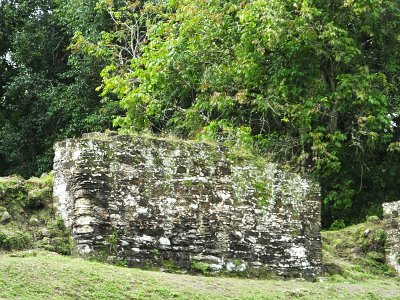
(151, 202)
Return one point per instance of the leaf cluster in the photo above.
(312, 82)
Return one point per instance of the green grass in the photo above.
(44, 275)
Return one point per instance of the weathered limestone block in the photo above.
(391, 214)
(154, 202)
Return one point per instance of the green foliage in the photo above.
(313, 82)
(60, 240)
(113, 239)
(47, 92)
(14, 239)
(169, 266)
(200, 267)
(337, 224)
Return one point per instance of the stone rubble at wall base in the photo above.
(185, 205)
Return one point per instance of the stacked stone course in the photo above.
(152, 202)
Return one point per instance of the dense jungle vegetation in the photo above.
(311, 83)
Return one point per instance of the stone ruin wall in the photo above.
(177, 204)
(391, 215)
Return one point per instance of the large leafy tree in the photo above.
(313, 82)
(47, 92)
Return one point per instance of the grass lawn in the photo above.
(48, 276)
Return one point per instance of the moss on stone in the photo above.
(262, 272)
(169, 266)
(263, 193)
(200, 267)
(357, 251)
(34, 222)
(11, 238)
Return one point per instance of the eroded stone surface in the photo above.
(154, 202)
(391, 214)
